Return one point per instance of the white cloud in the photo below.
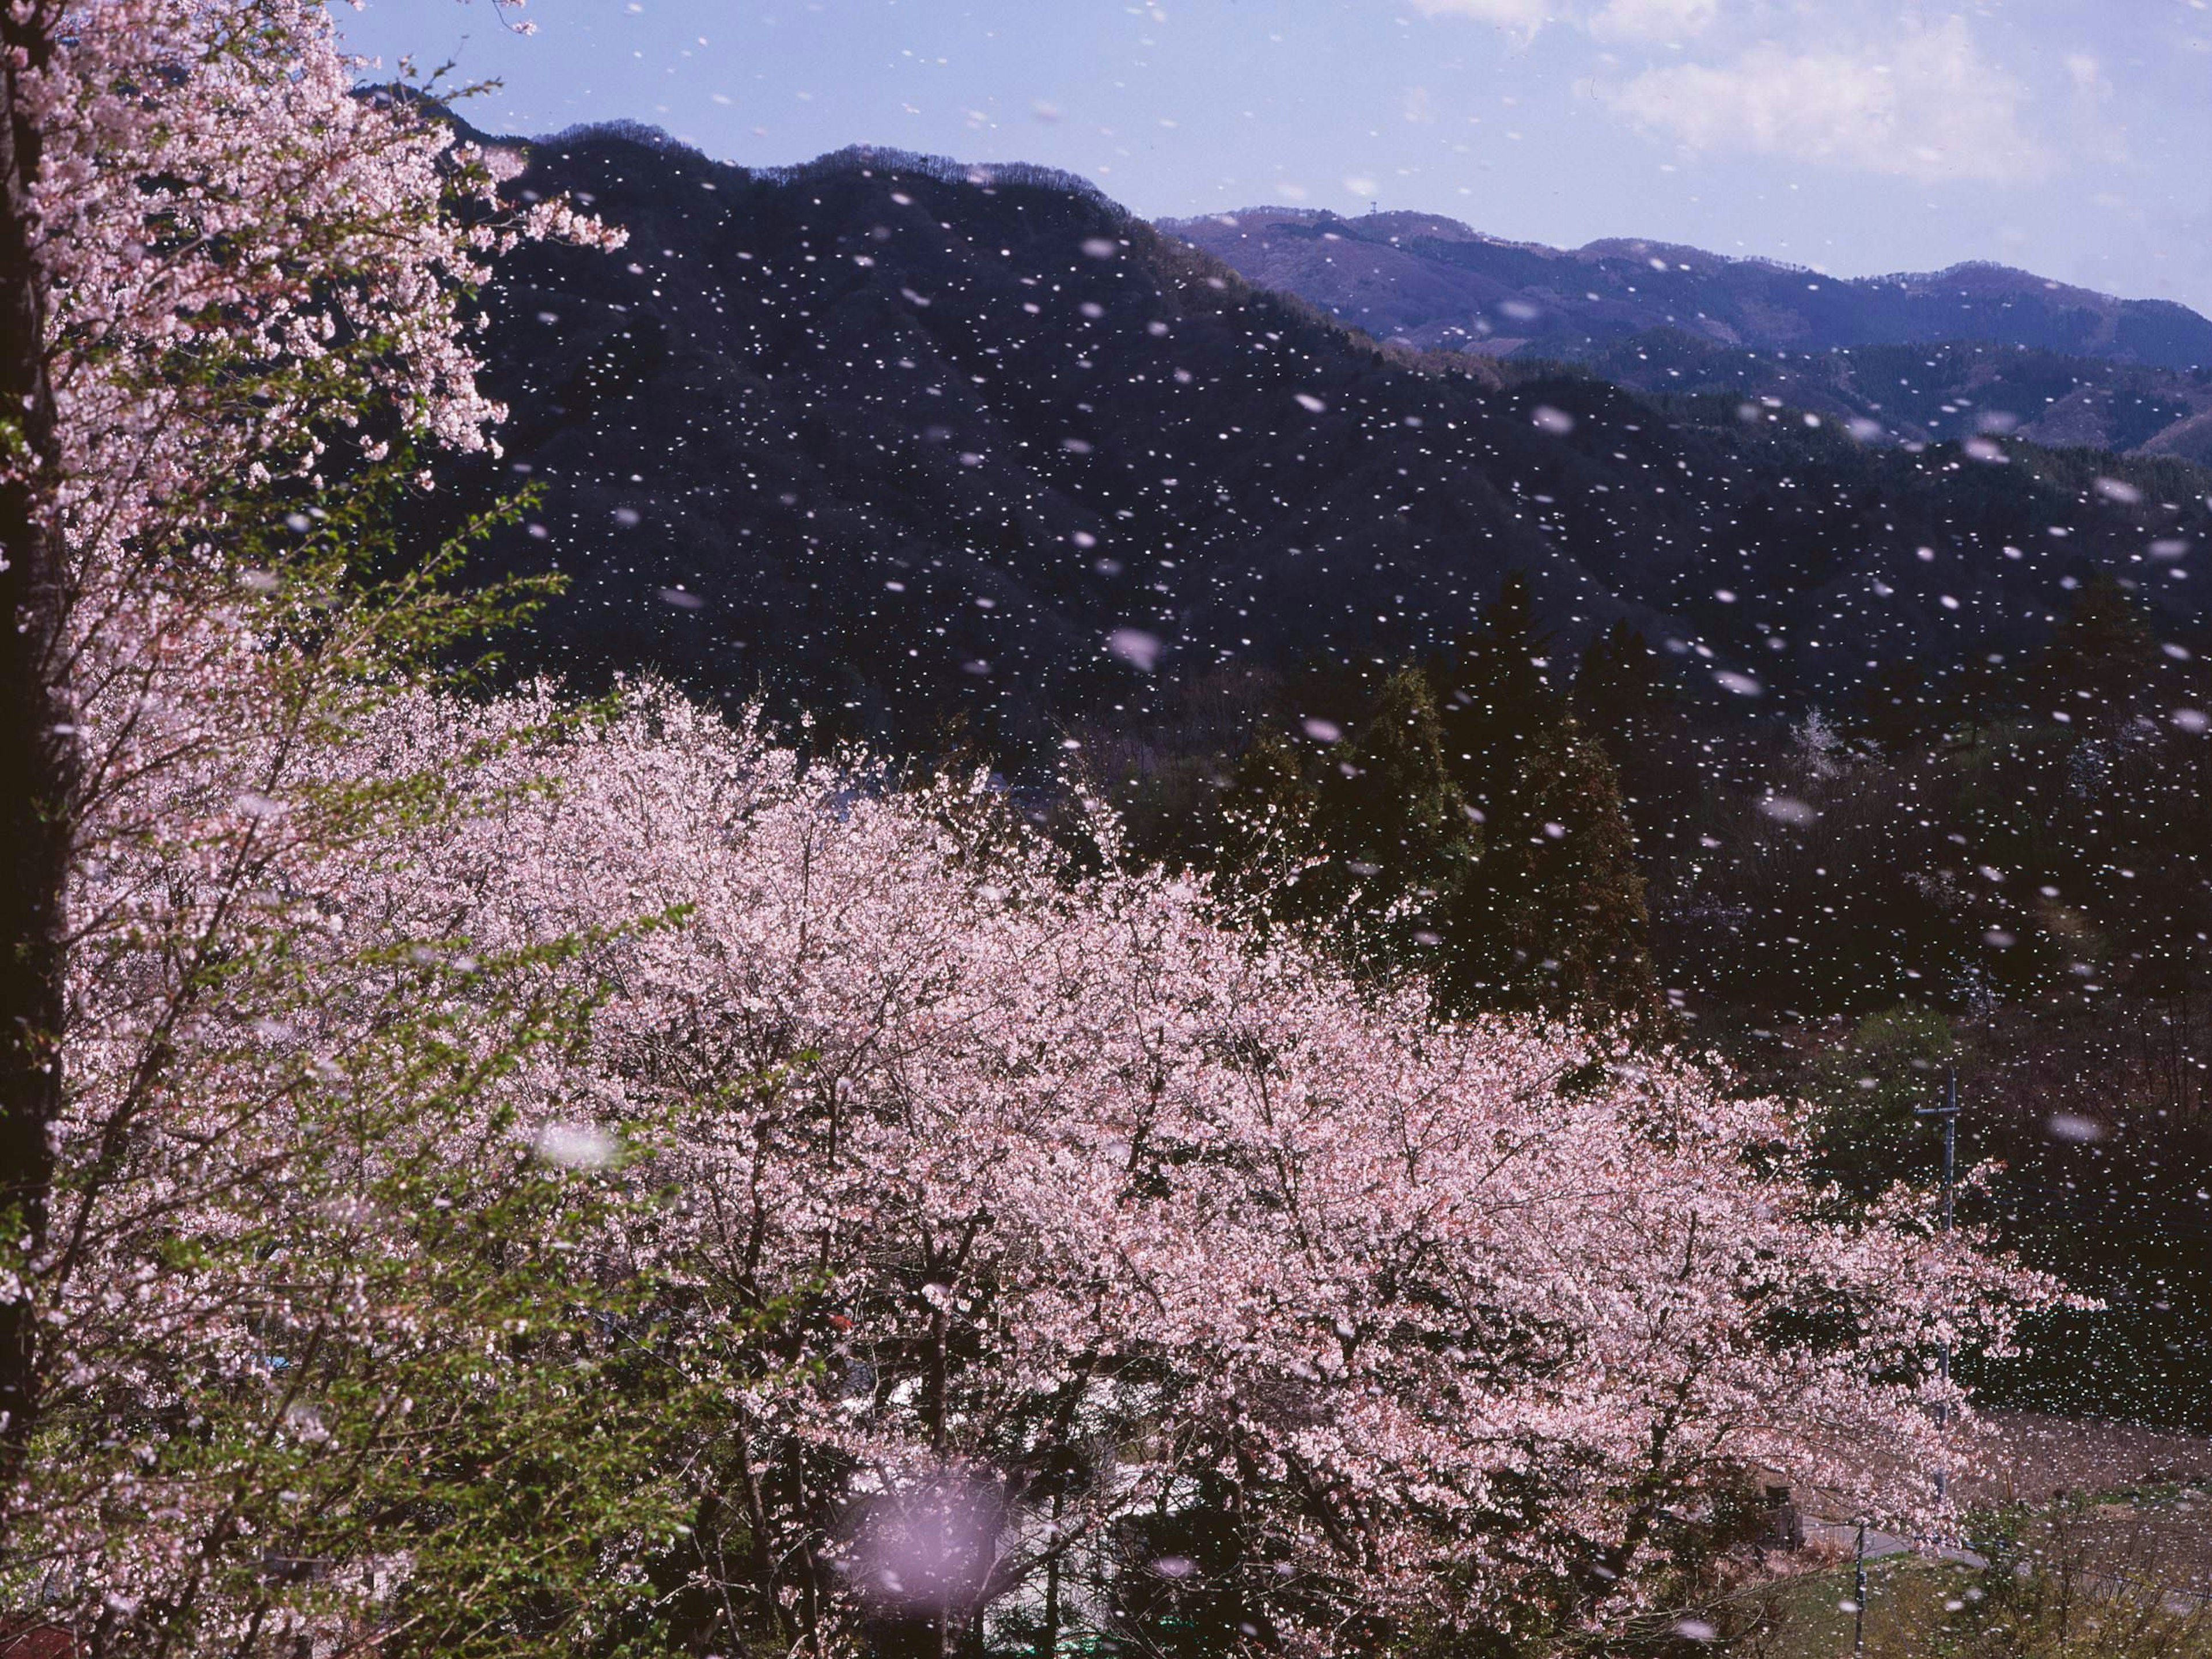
(1926, 108)
(1521, 17)
(2091, 135)
(1618, 20)
(1654, 20)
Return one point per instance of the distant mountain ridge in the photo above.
(2059, 364)
(1438, 283)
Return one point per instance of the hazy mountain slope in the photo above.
(1441, 282)
(2061, 365)
(902, 445)
(1925, 392)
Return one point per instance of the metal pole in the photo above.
(1950, 1205)
(1858, 1598)
(1950, 1144)
(1948, 1111)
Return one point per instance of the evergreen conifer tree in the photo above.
(1899, 706)
(1626, 704)
(1576, 929)
(1484, 841)
(1392, 822)
(1261, 848)
(1495, 698)
(1617, 696)
(1363, 847)
(1554, 917)
(2098, 664)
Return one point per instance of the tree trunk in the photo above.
(40, 760)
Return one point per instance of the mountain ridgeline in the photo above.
(2059, 364)
(907, 443)
(1444, 282)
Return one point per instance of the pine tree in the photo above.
(1554, 917)
(2098, 664)
(1394, 826)
(1363, 847)
(1576, 923)
(1495, 698)
(1617, 697)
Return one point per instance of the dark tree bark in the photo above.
(40, 760)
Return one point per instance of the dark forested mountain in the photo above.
(905, 440)
(2061, 365)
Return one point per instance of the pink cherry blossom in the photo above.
(1058, 1174)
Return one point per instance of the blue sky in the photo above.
(2070, 136)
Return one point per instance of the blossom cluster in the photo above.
(240, 252)
(1066, 1208)
(1084, 1205)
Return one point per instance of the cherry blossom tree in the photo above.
(314, 1317)
(217, 259)
(1108, 1230)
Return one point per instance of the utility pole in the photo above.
(1858, 1598)
(1948, 1112)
